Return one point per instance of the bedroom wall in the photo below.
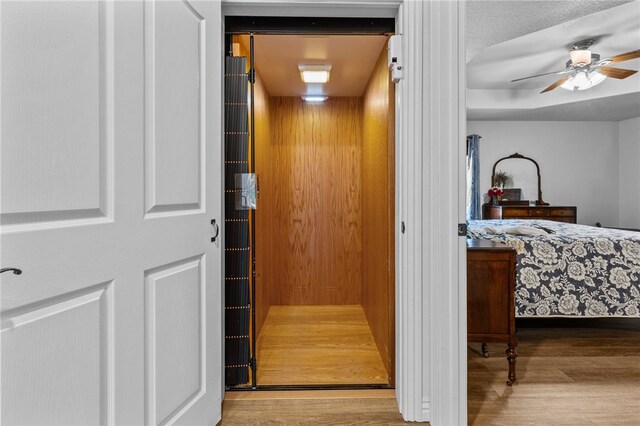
(578, 161)
(629, 172)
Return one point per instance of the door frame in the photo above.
(430, 258)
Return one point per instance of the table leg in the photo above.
(485, 350)
(511, 358)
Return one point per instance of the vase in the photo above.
(494, 200)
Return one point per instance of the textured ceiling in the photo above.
(613, 108)
(513, 39)
(615, 31)
(492, 22)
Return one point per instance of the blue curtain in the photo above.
(473, 178)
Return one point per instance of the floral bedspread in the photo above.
(577, 270)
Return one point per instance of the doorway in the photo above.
(321, 241)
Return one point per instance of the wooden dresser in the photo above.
(556, 213)
(491, 278)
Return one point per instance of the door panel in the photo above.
(174, 61)
(174, 317)
(72, 334)
(116, 317)
(54, 95)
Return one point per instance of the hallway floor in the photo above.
(318, 345)
(337, 407)
(572, 372)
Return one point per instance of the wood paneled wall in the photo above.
(378, 209)
(263, 253)
(264, 256)
(309, 207)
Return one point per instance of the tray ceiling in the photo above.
(491, 95)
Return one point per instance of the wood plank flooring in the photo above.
(572, 373)
(318, 345)
(345, 407)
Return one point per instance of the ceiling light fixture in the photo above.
(314, 73)
(314, 98)
(583, 80)
(580, 57)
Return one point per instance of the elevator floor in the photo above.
(318, 345)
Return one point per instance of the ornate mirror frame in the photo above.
(539, 201)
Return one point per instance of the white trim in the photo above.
(445, 312)
(462, 213)
(409, 343)
(431, 347)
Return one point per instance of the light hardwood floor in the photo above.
(570, 372)
(574, 373)
(362, 407)
(318, 345)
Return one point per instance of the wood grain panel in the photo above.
(310, 202)
(263, 251)
(378, 209)
(264, 254)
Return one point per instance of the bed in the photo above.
(569, 270)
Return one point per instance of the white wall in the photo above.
(578, 161)
(629, 172)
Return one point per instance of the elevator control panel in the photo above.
(394, 58)
(246, 190)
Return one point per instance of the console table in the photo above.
(491, 278)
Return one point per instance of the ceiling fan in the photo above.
(586, 69)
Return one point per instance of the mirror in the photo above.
(524, 173)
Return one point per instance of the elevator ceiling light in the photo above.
(314, 73)
(315, 98)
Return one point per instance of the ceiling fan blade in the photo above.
(556, 84)
(626, 56)
(540, 75)
(616, 72)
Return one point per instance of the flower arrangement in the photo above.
(500, 179)
(495, 192)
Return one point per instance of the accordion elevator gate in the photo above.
(309, 291)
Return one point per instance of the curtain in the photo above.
(473, 178)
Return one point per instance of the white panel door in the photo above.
(109, 179)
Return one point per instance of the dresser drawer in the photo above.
(538, 212)
(543, 212)
(561, 212)
(514, 213)
(570, 219)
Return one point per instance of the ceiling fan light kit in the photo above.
(585, 69)
(583, 80)
(580, 57)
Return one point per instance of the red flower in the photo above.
(495, 192)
